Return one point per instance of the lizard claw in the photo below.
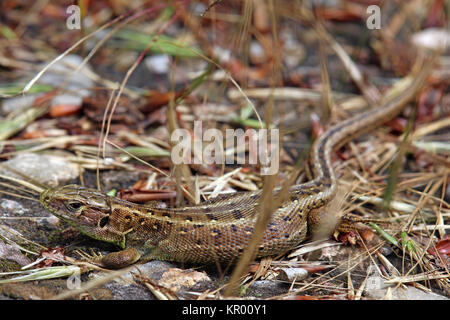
(93, 257)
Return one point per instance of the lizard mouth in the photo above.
(48, 201)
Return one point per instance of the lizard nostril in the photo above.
(45, 196)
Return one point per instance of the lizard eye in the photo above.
(74, 205)
(103, 221)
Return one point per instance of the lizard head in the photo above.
(87, 210)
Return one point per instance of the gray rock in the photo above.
(153, 270)
(11, 207)
(376, 288)
(46, 169)
(13, 253)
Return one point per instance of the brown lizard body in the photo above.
(220, 229)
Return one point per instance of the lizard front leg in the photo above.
(119, 259)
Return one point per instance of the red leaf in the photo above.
(348, 237)
(53, 256)
(158, 99)
(442, 247)
(61, 110)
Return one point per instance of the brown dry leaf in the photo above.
(261, 18)
(442, 247)
(345, 13)
(53, 11)
(174, 279)
(158, 99)
(62, 110)
(316, 269)
(367, 235)
(44, 98)
(53, 255)
(34, 135)
(160, 292)
(348, 237)
(260, 269)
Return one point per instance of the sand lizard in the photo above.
(217, 230)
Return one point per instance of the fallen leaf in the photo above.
(174, 279)
(158, 99)
(62, 110)
(52, 255)
(442, 247)
(367, 234)
(348, 237)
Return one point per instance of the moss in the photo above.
(9, 266)
(55, 237)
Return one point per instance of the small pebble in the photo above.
(13, 207)
(158, 63)
(292, 274)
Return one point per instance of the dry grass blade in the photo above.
(18, 195)
(266, 204)
(395, 168)
(327, 100)
(41, 274)
(101, 146)
(13, 236)
(19, 188)
(160, 292)
(265, 212)
(11, 126)
(181, 170)
(23, 183)
(417, 278)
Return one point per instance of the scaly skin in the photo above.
(220, 229)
